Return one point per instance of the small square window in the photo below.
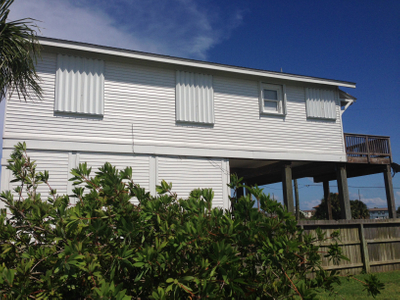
(272, 99)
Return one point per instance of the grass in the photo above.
(352, 289)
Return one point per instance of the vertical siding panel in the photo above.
(80, 82)
(140, 165)
(54, 162)
(320, 103)
(196, 97)
(187, 174)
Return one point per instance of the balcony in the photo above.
(368, 149)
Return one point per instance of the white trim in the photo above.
(188, 63)
(244, 154)
(156, 174)
(179, 149)
(225, 181)
(280, 102)
(73, 162)
(68, 138)
(341, 130)
(152, 175)
(348, 103)
(69, 146)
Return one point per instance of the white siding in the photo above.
(54, 162)
(79, 85)
(239, 129)
(187, 174)
(194, 97)
(139, 116)
(140, 165)
(124, 86)
(321, 103)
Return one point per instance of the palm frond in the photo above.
(19, 50)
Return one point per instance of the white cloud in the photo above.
(306, 205)
(175, 27)
(374, 202)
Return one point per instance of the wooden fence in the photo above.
(371, 245)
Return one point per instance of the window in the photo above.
(194, 98)
(79, 85)
(321, 104)
(272, 99)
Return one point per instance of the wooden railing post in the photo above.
(368, 151)
(364, 249)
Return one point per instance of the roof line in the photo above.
(51, 42)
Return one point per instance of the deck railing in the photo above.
(362, 148)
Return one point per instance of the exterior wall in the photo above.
(54, 162)
(376, 213)
(140, 111)
(139, 128)
(239, 130)
(185, 173)
(189, 173)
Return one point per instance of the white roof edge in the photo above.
(187, 62)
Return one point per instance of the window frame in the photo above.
(281, 101)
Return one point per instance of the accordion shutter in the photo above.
(79, 85)
(320, 104)
(194, 98)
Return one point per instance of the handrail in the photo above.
(367, 148)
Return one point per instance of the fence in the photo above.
(371, 245)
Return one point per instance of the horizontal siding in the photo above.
(119, 106)
(54, 162)
(238, 124)
(187, 174)
(140, 165)
(139, 107)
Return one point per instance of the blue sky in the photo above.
(357, 41)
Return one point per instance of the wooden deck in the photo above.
(368, 149)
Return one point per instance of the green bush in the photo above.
(105, 247)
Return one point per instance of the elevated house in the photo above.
(378, 213)
(189, 122)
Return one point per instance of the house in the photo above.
(308, 213)
(188, 122)
(378, 213)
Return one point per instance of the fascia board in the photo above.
(188, 63)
